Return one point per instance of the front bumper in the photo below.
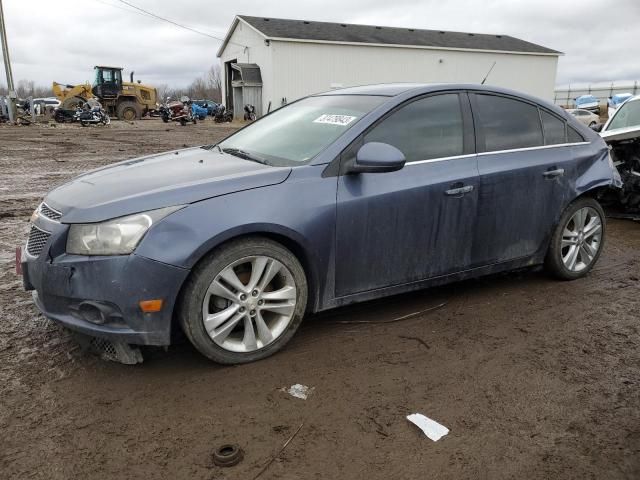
(70, 289)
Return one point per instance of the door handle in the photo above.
(459, 191)
(558, 172)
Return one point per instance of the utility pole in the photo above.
(7, 67)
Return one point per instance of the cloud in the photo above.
(63, 41)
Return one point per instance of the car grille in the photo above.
(49, 212)
(37, 240)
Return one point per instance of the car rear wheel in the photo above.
(577, 240)
(244, 301)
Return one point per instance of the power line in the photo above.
(123, 8)
(191, 29)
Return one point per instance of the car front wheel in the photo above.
(577, 240)
(244, 301)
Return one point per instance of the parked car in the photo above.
(210, 105)
(337, 198)
(199, 112)
(588, 102)
(615, 101)
(585, 116)
(622, 133)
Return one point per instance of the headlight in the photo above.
(119, 236)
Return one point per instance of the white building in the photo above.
(269, 62)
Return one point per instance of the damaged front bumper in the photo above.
(99, 296)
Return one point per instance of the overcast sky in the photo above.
(63, 40)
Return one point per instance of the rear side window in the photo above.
(555, 131)
(508, 123)
(573, 135)
(424, 129)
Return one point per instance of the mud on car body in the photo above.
(337, 198)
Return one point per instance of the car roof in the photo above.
(396, 89)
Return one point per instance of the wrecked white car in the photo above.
(622, 133)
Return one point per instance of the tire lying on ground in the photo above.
(577, 240)
(243, 301)
(128, 111)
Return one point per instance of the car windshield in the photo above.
(617, 99)
(628, 115)
(586, 99)
(294, 134)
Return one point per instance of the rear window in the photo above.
(508, 123)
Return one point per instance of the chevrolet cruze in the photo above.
(337, 198)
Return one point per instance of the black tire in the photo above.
(194, 120)
(592, 124)
(165, 119)
(128, 111)
(193, 294)
(84, 123)
(553, 261)
(183, 122)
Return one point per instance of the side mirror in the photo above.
(597, 127)
(376, 157)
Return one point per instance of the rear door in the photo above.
(525, 164)
(405, 226)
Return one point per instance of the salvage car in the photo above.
(590, 119)
(588, 102)
(337, 198)
(614, 102)
(622, 133)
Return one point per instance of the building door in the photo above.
(228, 76)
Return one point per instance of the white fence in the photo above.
(565, 95)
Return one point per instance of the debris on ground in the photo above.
(431, 428)
(228, 455)
(299, 391)
(273, 459)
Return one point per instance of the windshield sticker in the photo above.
(341, 120)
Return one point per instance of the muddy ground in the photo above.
(535, 378)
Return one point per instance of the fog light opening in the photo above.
(92, 313)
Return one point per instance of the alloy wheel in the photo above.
(249, 304)
(581, 239)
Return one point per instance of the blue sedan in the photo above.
(337, 198)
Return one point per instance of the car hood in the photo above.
(156, 181)
(626, 133)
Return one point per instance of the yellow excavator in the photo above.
(124, 100)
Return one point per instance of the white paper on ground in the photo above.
(431, 428)
(299, 391)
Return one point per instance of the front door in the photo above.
(416, 223)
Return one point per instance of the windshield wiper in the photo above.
(236, 152)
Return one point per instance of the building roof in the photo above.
(326, 32)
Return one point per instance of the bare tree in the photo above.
(214, 82)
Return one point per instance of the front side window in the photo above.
(424, 129)
(555, 131)
(508, 123)
(294, 134)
